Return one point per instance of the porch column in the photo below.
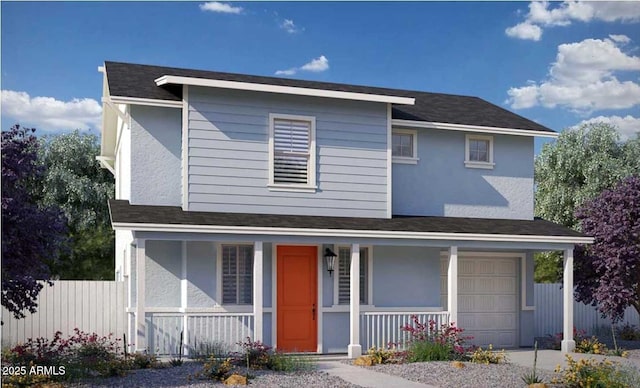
(452, 285)
(183, 301)
(354, 349)
(141, 330)
(257, 291)
(568, 343)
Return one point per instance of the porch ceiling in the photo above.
(173, 218)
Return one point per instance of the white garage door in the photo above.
(487, 299)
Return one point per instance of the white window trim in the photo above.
(336, 288)
(473, 163)
(404, 159)
(311, 186)
(219, 274)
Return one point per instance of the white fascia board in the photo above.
(146, 101)
(472, 128)
(214, 83)
(251, 230)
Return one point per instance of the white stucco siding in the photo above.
(201, 274)
(440, 184)
(156, 168)
(163, 269)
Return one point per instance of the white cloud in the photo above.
(620, 38)
(525, 30)
(291, 71)
(316, 65)
(628, 126)
(583, 79)
(541, 14)
(49, 114)
(216, 6)
(289, 26)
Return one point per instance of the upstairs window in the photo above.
(344, 273)
(237, 274)
(404, 146)
(479, 151)
(292, 154)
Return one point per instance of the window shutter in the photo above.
(291, 140)
(237, 274)
(344, 272)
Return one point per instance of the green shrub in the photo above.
(421, 351)
(386, 356)
(596, 374)
(291, 362)
(629, 332)
(590, 345)
(143, 361)
(488, 356)
(205, 350)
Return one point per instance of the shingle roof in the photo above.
(133, 80)
(122, 212)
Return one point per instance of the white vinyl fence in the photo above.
(548, 313)
(91, 306)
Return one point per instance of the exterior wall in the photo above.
(415, 274)
(163, 268)
(156, 156)
(441, 185)
(229, 153)
(201, 274)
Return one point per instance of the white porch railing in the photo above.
(221, 330)
(382, 328)
(207, 331)
(163, 332)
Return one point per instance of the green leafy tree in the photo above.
(75, 182)
(574, 170)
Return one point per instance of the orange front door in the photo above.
(297, 298)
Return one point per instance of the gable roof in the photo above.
(138, 81)
(125, 215)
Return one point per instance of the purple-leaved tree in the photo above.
(607, 273)
(31, 235)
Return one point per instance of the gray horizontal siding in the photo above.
(228, 155)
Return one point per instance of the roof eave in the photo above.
(401, 235)
(293, 90)
(472, 128)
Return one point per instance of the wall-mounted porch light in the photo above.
(330, 258)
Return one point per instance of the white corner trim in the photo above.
(185, 147)
(146, 101)
(274, 295)
(258, 306)
(319, 312)
(300, 91)
(389, 162)
(473, 128)
(310, 232)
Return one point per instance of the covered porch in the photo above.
(180, 283)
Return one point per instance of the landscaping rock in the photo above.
(235, 379)
(458, 364)
(537, 385)
(364, 361)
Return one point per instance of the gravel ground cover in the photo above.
(443, 374)
(179, 377)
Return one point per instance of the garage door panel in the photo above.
(487, 299)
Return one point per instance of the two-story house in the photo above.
(317, 216)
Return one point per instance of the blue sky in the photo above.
(559, 64)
